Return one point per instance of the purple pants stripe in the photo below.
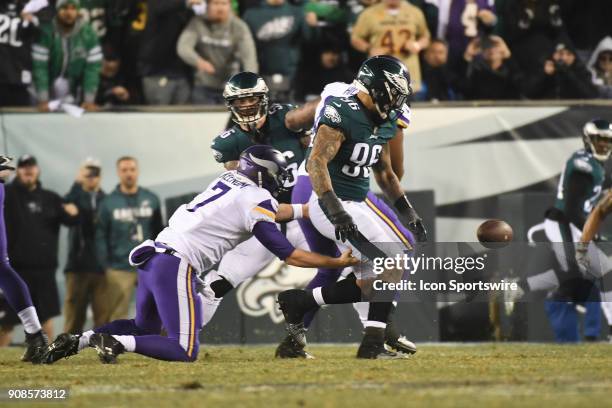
(14, 288)
(165, 297)
(321, 244)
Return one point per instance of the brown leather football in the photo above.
(494, 231)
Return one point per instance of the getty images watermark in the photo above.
(413, 266)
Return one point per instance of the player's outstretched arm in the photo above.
(390, 185)
(307, 259)
(303, 117)
(270, 237)
(288, 212)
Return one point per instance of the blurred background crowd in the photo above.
(103, 229)
(105, 53)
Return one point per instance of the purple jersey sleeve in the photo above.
(268, 234)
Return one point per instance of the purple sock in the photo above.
(164, 348)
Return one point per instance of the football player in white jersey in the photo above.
(237, 205)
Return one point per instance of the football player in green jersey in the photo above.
(578, 192)
(256, 122)
(351, 141)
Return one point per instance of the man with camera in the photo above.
(85, 281)
(563, 76)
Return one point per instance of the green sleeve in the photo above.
(91, 77)
(332, 115)
(102, 233)
(40, 63)
(225, 147)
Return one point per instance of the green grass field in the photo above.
(231, 376)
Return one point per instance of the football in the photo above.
(492, 233)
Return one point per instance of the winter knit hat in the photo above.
(62, 3)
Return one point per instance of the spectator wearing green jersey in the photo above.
(67, 59)
(279, 29)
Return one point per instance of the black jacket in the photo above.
(165, 22)
(82, 253)
(485, 83)
(568, 82)
(33, 220)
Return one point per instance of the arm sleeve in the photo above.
(40, 64)
(91, 77)
(330, 115)
(268, 234)
(185, 47)
(577, 192)
(265, 210)
(224, 147)
(102, 232)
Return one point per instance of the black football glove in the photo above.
(346, 228)
(4, 163)
(411, 218)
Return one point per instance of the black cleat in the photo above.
(107, 347)
(64, 346)
(35, 346)
(294, 304)
(396, 342)
(373, 346)
(288, 348)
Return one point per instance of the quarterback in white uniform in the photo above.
(237, 205)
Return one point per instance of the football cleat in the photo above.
(292, 304)
(373, 346)
(288, 348)
(35, 346)
(401, 345)
(64, 346)
(107, 347)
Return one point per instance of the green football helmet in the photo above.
(246, 96)
(387, 81)
(597, 138)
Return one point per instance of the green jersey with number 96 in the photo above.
(351, 167)
(229, 144)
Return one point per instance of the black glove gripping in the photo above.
(411, 218)
(346, 228)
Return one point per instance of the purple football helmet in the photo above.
(265, 166)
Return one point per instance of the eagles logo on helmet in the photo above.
(246, 96)
(597, 137)
(387, 81)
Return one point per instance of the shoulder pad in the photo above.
(582, 164)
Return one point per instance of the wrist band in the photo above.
(402, 204)
(297, 211)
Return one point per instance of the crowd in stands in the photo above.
(103, 229)
(105, 53)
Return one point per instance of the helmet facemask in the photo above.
(597, 136)
(248, 109)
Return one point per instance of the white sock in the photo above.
(317, 294)
(362, 308)
(129, 342)
(84, 340)
(374, 323)
(543, 281)
(29, 319)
